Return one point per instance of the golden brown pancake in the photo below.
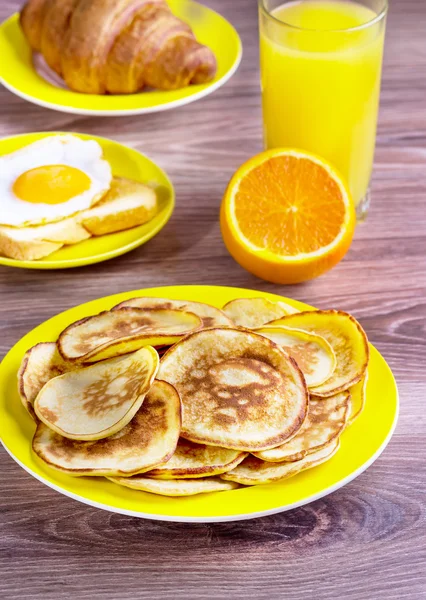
(147, 441)
(117, 332)
(192, 460)
(97, 401)
(253, 471)
(40, 363)
(176, 487)
(238, 389)
(327, 418)
(313, 354)
(358, 398)
(255, 312)
(210, 315)
(348, 340)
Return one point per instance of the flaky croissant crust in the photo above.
(116, 46)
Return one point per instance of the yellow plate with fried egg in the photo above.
(87, 163)
(360, 444)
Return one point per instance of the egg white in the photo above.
(69, 150)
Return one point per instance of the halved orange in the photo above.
(287, 216)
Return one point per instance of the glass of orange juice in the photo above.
(321, 64)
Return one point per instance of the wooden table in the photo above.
(364, 542)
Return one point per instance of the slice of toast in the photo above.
(23, 244)
(31, 243)
(127, 204)
(68, 232)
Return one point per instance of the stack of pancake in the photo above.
(250, 394)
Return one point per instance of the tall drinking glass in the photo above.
(321, 64)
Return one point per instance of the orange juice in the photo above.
(321, 66)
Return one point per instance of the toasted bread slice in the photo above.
(127, 204)
(24, 244)
(30, 243)
(68, 232)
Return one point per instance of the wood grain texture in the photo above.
(364, 542)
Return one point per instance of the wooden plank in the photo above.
(367, 540)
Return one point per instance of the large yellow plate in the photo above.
(361, 444)
(125, 162)
(18, 74)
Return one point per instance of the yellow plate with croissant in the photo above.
(28, 76)
(361, 443)
(123, 162)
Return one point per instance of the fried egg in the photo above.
(51, 179)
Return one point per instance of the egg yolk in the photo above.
(51, 184)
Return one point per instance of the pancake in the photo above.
(177, 487)
(358, 397)
(40, 363)
(97, 401)
(255, 312)
(313, 354)
(117, 332)
(147, 441)
(348, 340)
(197, 460)
(253, 471)
(327, 418)
(238, 389)
(210, 316)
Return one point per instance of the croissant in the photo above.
(116, 46)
